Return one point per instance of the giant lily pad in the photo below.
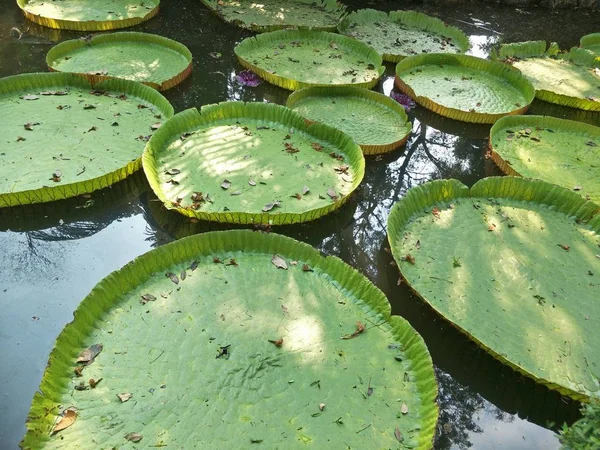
(271, 15)
(464, 87)
(64, 137)
(591, 42)
(94, 15)
(251, 163)
(559, 151)
(376, 122)
(294, 59)
(229, 339)
(398, 34)
(571, 79)
(148, 58)
(513, 263)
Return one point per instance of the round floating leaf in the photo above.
(464, 87)
(376, 122)
(97, 15)
(513, 263)
(239, 352)
(398, 34)
(271, 15)
(251, 163)
(64, 137)
(591, 42)
(559, 151)
(148, 58)
(571, 79)
(294, 59)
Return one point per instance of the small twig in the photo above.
(441, 279)
(363, 429)
(161, 353)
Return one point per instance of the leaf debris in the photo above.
(279, 262)
(359, 329)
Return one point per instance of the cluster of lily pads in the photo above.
(287, 347)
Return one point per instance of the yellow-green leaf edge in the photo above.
(62, 80)
(270, 112)
(58, 51)
(538, 49)
(362, 94)
(109, 292)
(291, 84)
(512, 75)
(89, 25)
(516, 188)
(410, 18)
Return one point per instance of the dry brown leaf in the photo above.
(89, 354)
(93, 383)
(124, 396)
(279, 262)
(398, 434)
(69, 416)
(134, 437)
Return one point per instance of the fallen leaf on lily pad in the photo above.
(69, 416)
(277, 343)
(226, 184)
(332, 194)
(172, 277)
(173, 171)
(134, 437)
(155, 126)
(321, 406)
(147, 298)
(124, 396)
(279, 262)
(29, 97)
(404, 408)
(307, 268)
(269, 206)
(398, 434)
(93, 383)
(359, 329)
(305, 190)
(89, 354)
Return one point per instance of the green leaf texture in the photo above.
(293, 59)
(559, 151)
(591, 42)
(514, 264)
(147, 58)
(163, 343)
(376, 122)
(64, 137)
(272, 15)
(251, 163)
(398, 34)
(97, 15)
(463, 87)
(570, 79)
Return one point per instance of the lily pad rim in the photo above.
(243, 217)
(65, 47)
(44, 80)
(363, 95)
(86, 25)
(293, 84)
(585, 209)
(515, 76)
(406, 17)
(143, 267)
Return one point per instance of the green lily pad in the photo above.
(464, 87)
(148, 58)
(571, 79)
(226, 339)
(251, 163)
(294, 59)
(514, 264)
(591, 42)
(271, 15)
(559, 151)
(64, 137)
(398, 34)
(376, 122)
(97, 15)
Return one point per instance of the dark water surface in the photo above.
(52, 255)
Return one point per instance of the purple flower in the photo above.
(404, 100)
(248, 78)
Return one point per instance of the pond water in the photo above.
(52, 255)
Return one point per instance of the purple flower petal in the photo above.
(248, 78)
(404, 100)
